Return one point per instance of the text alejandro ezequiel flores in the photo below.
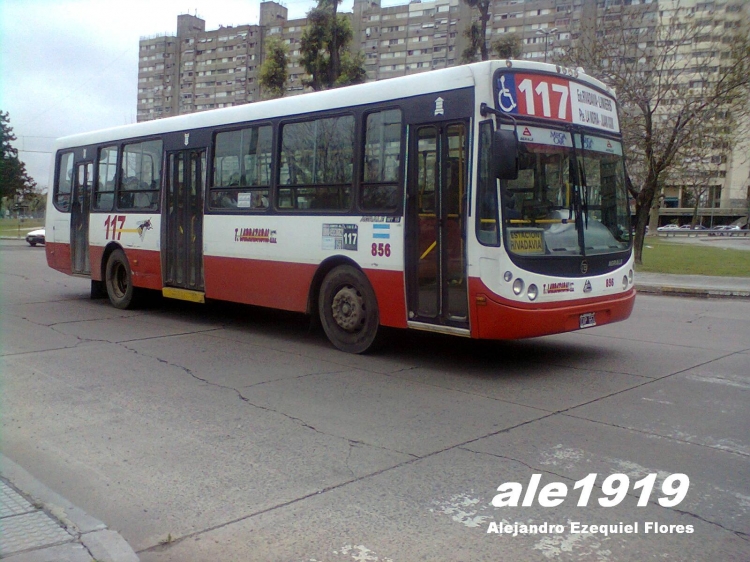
(576, 527)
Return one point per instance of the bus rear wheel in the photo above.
(119, 281)
(349, 310)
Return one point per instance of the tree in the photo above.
(508, 46)
(324, 49)
(273, 71)
(696, 169)
(15, 183)
(669, 91)
(473, 34)
(478, 38)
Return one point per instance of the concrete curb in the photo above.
(103, 544)
(668, 290)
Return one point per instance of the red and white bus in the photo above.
(485, 201)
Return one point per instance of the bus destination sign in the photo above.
(559, 99)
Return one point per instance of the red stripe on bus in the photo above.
(273, 284)
(286, 286)
(501, 318)
(389, 290)
(95, 258)
(58, 256)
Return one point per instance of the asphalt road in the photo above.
(221, 432)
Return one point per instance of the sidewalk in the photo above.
(38, 525)
(704, 286)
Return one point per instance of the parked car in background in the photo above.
(728, 229)
(35, 237)
(668, 227)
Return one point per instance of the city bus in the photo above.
(484, 201)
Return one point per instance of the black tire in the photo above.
(119, 281)
(32, 244)
(348, 310)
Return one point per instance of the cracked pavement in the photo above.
(222, 432)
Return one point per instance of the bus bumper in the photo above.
(501, 319)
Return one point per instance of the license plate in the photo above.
(587, 320)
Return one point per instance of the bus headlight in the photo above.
(624, 282)
(507, 276)
(533, 292)
(630, 276)
(518, 286)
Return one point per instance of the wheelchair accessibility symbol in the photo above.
(505, 98)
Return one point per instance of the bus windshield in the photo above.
(568, 199)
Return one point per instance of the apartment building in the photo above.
(196, 70)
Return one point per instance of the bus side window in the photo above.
(140, 176)
(242, 160)
(316, 168)
(105, 186)
(382, 156)
(64, 182)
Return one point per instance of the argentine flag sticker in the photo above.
(381, 231)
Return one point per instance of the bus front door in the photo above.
(436, 250)
(79, 218)
(182, 242)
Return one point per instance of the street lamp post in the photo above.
(546, 33)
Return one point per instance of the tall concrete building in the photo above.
(196, 70)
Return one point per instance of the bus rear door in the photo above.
(79, 218)
(182, 240)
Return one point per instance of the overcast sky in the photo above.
(70, 66)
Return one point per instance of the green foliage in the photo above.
(15, 182)
(352, 69)
(273, 71)
(474, 34)
(508, 46)
(324, 49)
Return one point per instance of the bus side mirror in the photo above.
(505, 154)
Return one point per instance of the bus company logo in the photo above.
(263, 235)
(587, 286)
(143, 226)
(526, 134)
(560, 287)
(584, 267)
(439, 109)
(558, 138)
(380, 219)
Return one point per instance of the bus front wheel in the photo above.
(119, 281)
(349, 310)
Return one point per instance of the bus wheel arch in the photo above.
(348, 308)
